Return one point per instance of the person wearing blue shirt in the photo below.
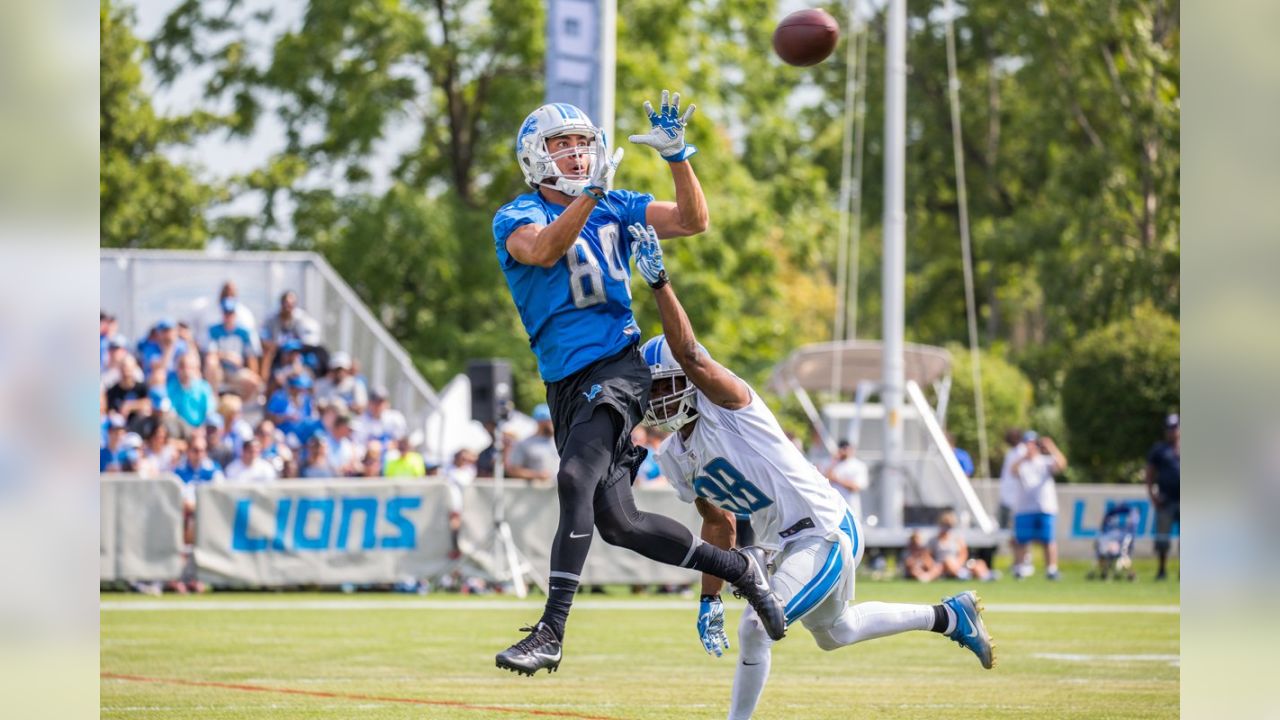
(192, 397)
(116, 455)
(196, 467)
(1164, 487)
(567, 263)
(291, 409)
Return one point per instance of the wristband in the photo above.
(685, 153)
(595, 191)
(710, 598)
(662, 282)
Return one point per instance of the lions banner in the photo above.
(330, 532)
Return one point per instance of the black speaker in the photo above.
(490, 390)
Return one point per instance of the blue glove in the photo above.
(648, 254)
(711, 625)
(667, 132)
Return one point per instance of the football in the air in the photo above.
(806, 37)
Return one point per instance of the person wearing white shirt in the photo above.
(849, 476)
(250, 467)
(1036, 511)
(1009, 486)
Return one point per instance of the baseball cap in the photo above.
(228, 304)
(1030, 436)
(300, 381)
(541, 412)
(115, 422)
(214, 420)
(291, 345)
(377, 392)
(340, 359)
(1172, 421)
(118, 341)
(164, 324)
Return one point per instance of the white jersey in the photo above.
(741, 461)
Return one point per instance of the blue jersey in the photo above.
(578, 310)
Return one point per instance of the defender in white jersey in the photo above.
(728, 455)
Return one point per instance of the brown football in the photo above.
(806, 37)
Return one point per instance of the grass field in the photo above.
(1067, 650)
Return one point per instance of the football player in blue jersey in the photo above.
(567, 262)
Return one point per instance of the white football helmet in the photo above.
(672, 410)
(538, 164)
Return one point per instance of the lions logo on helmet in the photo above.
(672, 404)
(539, 164)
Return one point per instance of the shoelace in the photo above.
(533, 640)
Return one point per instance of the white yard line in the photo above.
(1097, 658)
(527, 605)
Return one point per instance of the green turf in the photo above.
(638, 663)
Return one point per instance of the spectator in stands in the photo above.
(379, 421)
(289, 363)
(535, 458)
(963, 458)
(250, 467)
(290, 323)
(117, 353)
(196, 467)
(371, 463)
(244, 315)
(237, 350)
(116, 455)
(292, 411)
(1036, 512)
(162, 348)
(1009, 485)
(341, 383)
(849, 476)
(343, 451)
(106, 331)
(219, 451)
(317, 459)
(236, 430)
(408, 463)
(193, 400)
(128, 395)
(458, 477)
(918, 562)
(274, 449)
(158, 455)
(1164, 486)
(951, 552)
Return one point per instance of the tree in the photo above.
(1006, 402)
(146, 199)
(1121, 382)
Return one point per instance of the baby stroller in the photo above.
(1114, 545)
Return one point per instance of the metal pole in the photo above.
(895, 113)
(608, 67)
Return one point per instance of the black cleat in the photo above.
(754, 587)
(540, 649)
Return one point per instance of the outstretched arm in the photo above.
(688, 214)
(717, 383)
(717, 529)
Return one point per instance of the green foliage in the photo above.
(1007, 402)
(1121, 381)
(1070, 130)
(145, 198)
